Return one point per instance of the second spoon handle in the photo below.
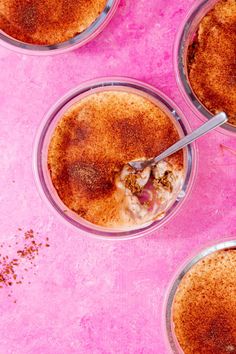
(214, 122)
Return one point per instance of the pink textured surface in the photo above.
(92, 296)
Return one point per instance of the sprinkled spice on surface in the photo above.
(27, 248)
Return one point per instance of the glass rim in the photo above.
(77, 41)
(179, 67)
(183, 269)
(102, 83)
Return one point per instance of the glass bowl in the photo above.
(82, 38)
(168, 326)
(46, 130)
(185, 37)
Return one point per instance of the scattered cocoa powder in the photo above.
(27, 246)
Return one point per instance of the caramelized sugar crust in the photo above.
(204, 310)
(47, 22)
(212, 60)
(93, 141)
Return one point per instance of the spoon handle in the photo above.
(214, 122)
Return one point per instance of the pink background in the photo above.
(93, 296)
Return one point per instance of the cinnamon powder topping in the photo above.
(92, 143)
(48, 22)
(204, 310)
(212, 60)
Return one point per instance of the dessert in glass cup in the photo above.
(40, 27)
(201, 306)
(205, 61)
(88, 149)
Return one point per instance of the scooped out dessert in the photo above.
(47, 22)
(148, 193)
(89, 153)
(212, 60)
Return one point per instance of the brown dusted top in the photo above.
(47, 22)
(93, 141)
(212, 60)
(204, 310)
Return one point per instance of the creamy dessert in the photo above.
(89, 153)
(47, 22)
(212, 60)
(204, 308)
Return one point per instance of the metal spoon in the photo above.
(214, 122)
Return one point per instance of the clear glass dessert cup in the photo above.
(43, 138)
(185, 36)
(168, 325)
(79, 40)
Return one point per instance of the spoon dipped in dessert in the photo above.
(213, 123)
